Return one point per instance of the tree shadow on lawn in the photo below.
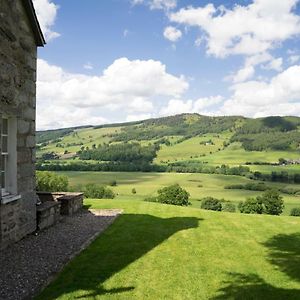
(284, 253)
(128, 239)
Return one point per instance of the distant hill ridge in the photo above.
(274, 132)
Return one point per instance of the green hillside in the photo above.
(186, 137)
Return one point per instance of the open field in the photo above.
(156, 251)
(234, 154)
(198, 185)
(268, 169)
(192, 148)
(86, 136)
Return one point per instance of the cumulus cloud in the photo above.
(172, 34)
(293, 59)
(243, 74)
(88, 66)
(131, 118)
(247, 30)
(279, 96)
(275, 64)
(46, 12)
(157, 4)
(201, 105)
(127, 86)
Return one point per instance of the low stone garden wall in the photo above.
(53, 206)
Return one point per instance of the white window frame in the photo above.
(4, 154)
(9, 191)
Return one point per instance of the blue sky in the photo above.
(122, 60)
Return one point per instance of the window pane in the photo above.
(3, 159)
(2, 171)
(2, 180)
(4, 144)
(4, 126)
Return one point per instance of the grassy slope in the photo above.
(235, 155)
(198, 185)
(191, 148)
(87, 136)
(155, 251)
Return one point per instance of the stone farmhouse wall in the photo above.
(18, 54)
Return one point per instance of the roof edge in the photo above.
(35, 25)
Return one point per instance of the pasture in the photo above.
(198, 185)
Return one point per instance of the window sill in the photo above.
(9, 198)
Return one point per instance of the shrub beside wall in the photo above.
(51, 182)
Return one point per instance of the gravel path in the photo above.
(30, 264)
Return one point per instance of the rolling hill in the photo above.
(214, 140)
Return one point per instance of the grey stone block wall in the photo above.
(18, 54)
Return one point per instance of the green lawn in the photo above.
(198, 185)
(156, 251)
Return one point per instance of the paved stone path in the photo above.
(29, 265)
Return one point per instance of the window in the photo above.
(4, 155)
(8, 170)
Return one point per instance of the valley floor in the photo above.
(198, 185)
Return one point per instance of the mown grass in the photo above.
(198, 185)
(156, 251)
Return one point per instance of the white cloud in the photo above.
(46, 12)
(126, 86)
(293, 59)
(172, 34)
(258, 59)
(275, 64)
(131, 118)
(126, 32)
(88, 66)
(279, 96)
(243, 74)
(198, 41)
(140, 104)
(201, 105)
(247, 30)
(157, 4)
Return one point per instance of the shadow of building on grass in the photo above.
(128, 239)
(284, 253)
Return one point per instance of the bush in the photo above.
(251, 206)
(133, 191)
(228, 207)
(97, 191)
(251, 186)
(151, 199)
(51, 182)
(295, 212)
(211, 203)
(272, 202)
(173, 194)
(113, 183)
(289, 191)
(234, 187)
